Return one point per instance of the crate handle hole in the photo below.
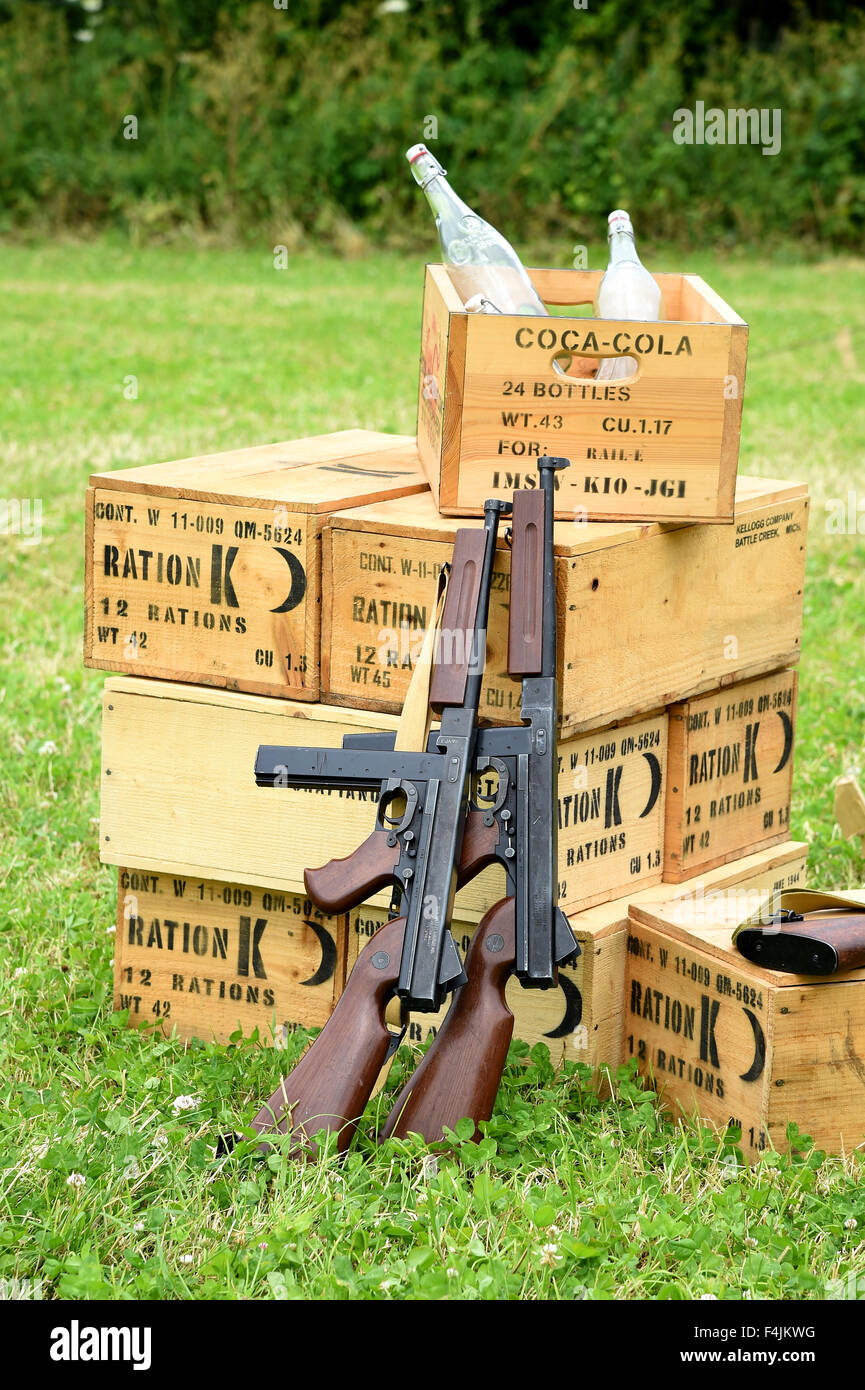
(566, 363)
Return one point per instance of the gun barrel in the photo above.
(341, 768)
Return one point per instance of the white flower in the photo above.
(139, 1226)
(186, 1259)
(19, 971)
(49, 747)
(452, 1273)
(549, 1253)
(705, 1296)
(76, 1180)
(109, 930)
(64, 684)
(851, 1223)
(184, 1103)
(160, 1138)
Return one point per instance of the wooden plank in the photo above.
(849, 807)
(729, 773)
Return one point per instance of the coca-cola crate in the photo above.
(498, 391)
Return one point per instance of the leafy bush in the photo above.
(294, 120)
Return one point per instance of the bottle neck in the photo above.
(623, 249)
(443, 201)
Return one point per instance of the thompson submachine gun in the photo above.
(516, 826)
(416, 845)
(526, 933)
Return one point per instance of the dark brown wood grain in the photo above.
(455, 645)
(341, 884)
(824, 944)
(525, 630)
(332, 1082)
(478, 847)
(460, 1074)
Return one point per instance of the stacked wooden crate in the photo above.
(279, 595)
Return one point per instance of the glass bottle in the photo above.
(627, 291)
(478, 259)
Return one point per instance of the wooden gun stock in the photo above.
(461, 1072)
(341, 884)
(817, 945)
(332, 1082)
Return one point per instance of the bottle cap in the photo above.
(424, 174)
(620, 221)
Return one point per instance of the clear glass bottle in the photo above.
(627, 291)
(478, 259)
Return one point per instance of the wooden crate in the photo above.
(739, 1044)
(581, 1021)
(207, 958)
(648, 614)
(729, 773)
(209, 569)
(179, 796)
(662, 445)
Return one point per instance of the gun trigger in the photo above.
(567, 948)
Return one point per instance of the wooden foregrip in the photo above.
(457, 631)
(525, 632)
(341, 884)
(461, 1072)
(332, 1082)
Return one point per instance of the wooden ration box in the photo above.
(581, 1020)
(179, 795)
(178, 792)
(496, 392)
(648, 614)
(737, 1043)
(729, 773)
(207, 958)
(209, 569)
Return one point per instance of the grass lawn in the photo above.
(109, 1187)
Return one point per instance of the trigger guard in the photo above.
(409, 791)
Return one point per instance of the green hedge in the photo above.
(292, 123)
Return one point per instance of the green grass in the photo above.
(569, 1195)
